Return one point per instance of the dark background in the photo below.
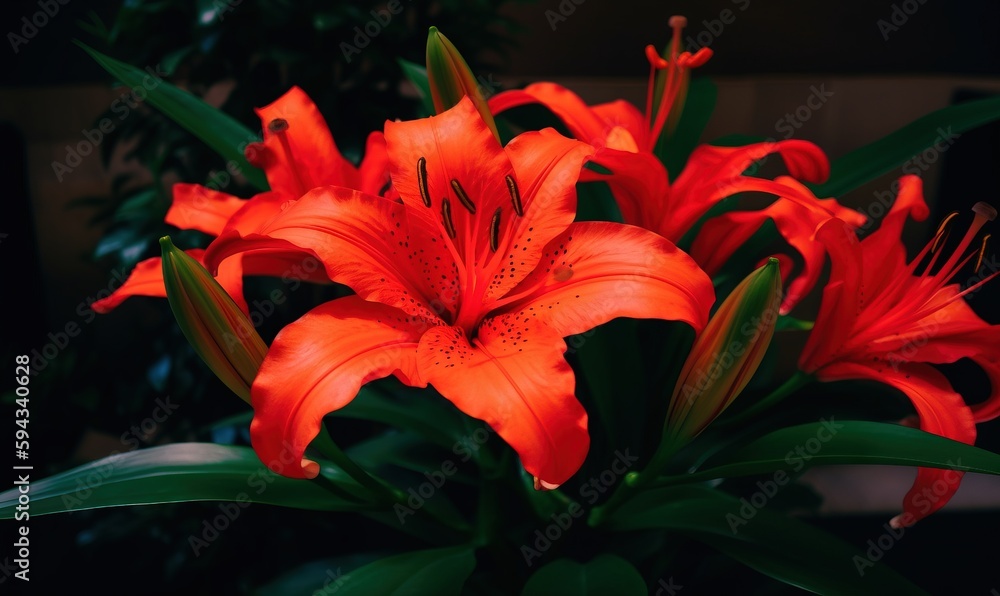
(948, 553)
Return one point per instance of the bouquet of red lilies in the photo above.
(468, 246)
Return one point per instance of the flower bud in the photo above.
(451, 79)
(726, 354)
(209, 318)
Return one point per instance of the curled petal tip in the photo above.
(903, 520)
(542, 485)
(310, 469)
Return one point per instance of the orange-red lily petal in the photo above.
(721, 237)
(468, 284)
(624, 140)
(298, 154)
(884, 321)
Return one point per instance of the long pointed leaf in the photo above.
(605, 574)
(438, 571)
(698, 107)
(417, 75)
(218, 130)
(781, 547)
(871, 161)
(431, 418)
(184, 472)
(845, 442)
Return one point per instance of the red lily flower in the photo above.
(882, 321)
(721, 237)
(624, 140)
(468, 284)
(297, 154)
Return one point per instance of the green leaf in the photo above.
(596, 203)
(781, 547)
(605, 574)
(185, 472)
(878, 158)
(698, 107)
(845, 442)
(787, 323)
(417, 75)
(420, 411)
(438, 571)
(218, 130)
(611, 365)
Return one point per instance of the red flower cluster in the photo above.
(469, 269)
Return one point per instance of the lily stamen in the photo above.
(942, 232)
(425, 196)
(943, 275)
(449, 226)
(278, 127)
(495, 230)
(463, 198)
(982, 252)
(515, 195)
(675, 87)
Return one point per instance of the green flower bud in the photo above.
(451, 79)
(726, 354)
(219, 331)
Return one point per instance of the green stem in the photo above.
(386, 492)
(486, 512)
(324, 443)
(634, 482)
(622, 494)
(793, 384)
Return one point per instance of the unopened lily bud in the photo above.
(209, 318)
(726, 355)
(451, 79)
